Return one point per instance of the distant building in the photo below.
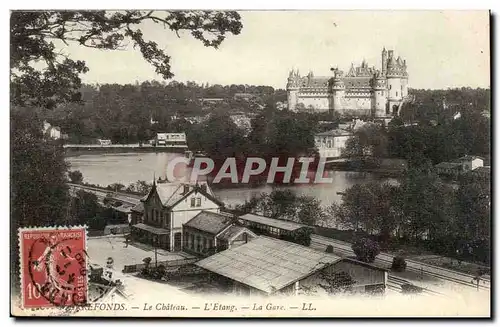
(211, 232)
(104, 141)
(459, 166)
(268, 266)
(170, 139)
(211, 100)
(54, 132)
(159, 217)
(244, 96)
(331, 143)
(362, 91)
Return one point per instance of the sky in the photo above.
(442, 49)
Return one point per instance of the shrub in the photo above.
(329, 249)
(76, 177)
(398, 264)
(365, 249)
(410, 288)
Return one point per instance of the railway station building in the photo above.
(268, 266)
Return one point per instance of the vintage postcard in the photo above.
(198, 163)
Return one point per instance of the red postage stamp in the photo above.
(53, 267)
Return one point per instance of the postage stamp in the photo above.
(53, 265)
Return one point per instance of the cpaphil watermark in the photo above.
(301, 170)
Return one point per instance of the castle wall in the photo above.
(319, 101)
(292, 99)
(395, 89)
(359, 103)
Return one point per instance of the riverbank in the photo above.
(75, 150)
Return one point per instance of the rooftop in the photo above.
(335, 132)
(210, 222)
(281, 224)
(268, 264)
(233, 231)
(451, 165)
(468, 158)
(152, 229)
(171, 193)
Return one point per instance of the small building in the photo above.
(331, 143)
(210, 232)
(270, 226)
(166, 208)
(244, 96)
(171, 139)
(471, 162)
(104, 142)
(459, 166)
(268, 266)
(54, 132)
(449, 168)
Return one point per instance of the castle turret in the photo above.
(337, 88)
(396, 82)
(379, 94)
(384, 61)
(292, 90)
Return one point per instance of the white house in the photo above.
(158, 219)
(54, 132)
(169, 139)
(331, 143)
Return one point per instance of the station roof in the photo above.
(210, 222)
(281, 224)
(268, 264)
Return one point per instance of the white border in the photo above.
(255, 4)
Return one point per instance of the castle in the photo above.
(364, 91)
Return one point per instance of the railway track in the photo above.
(418, 267)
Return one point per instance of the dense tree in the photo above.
(366, 249)
(367, 145)
(39, 194)
(84, 206)
(286, 205)
(36, 34)
(474, 208)
(75, 176)
(368, 207)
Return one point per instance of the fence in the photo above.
(167, 264)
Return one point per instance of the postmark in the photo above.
(53, 267)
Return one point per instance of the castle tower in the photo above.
(404, 80)
(292, 90)
(394, 83)
(379, 95)
(337, 89)
(384, 61)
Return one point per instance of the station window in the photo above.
(193, 202)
